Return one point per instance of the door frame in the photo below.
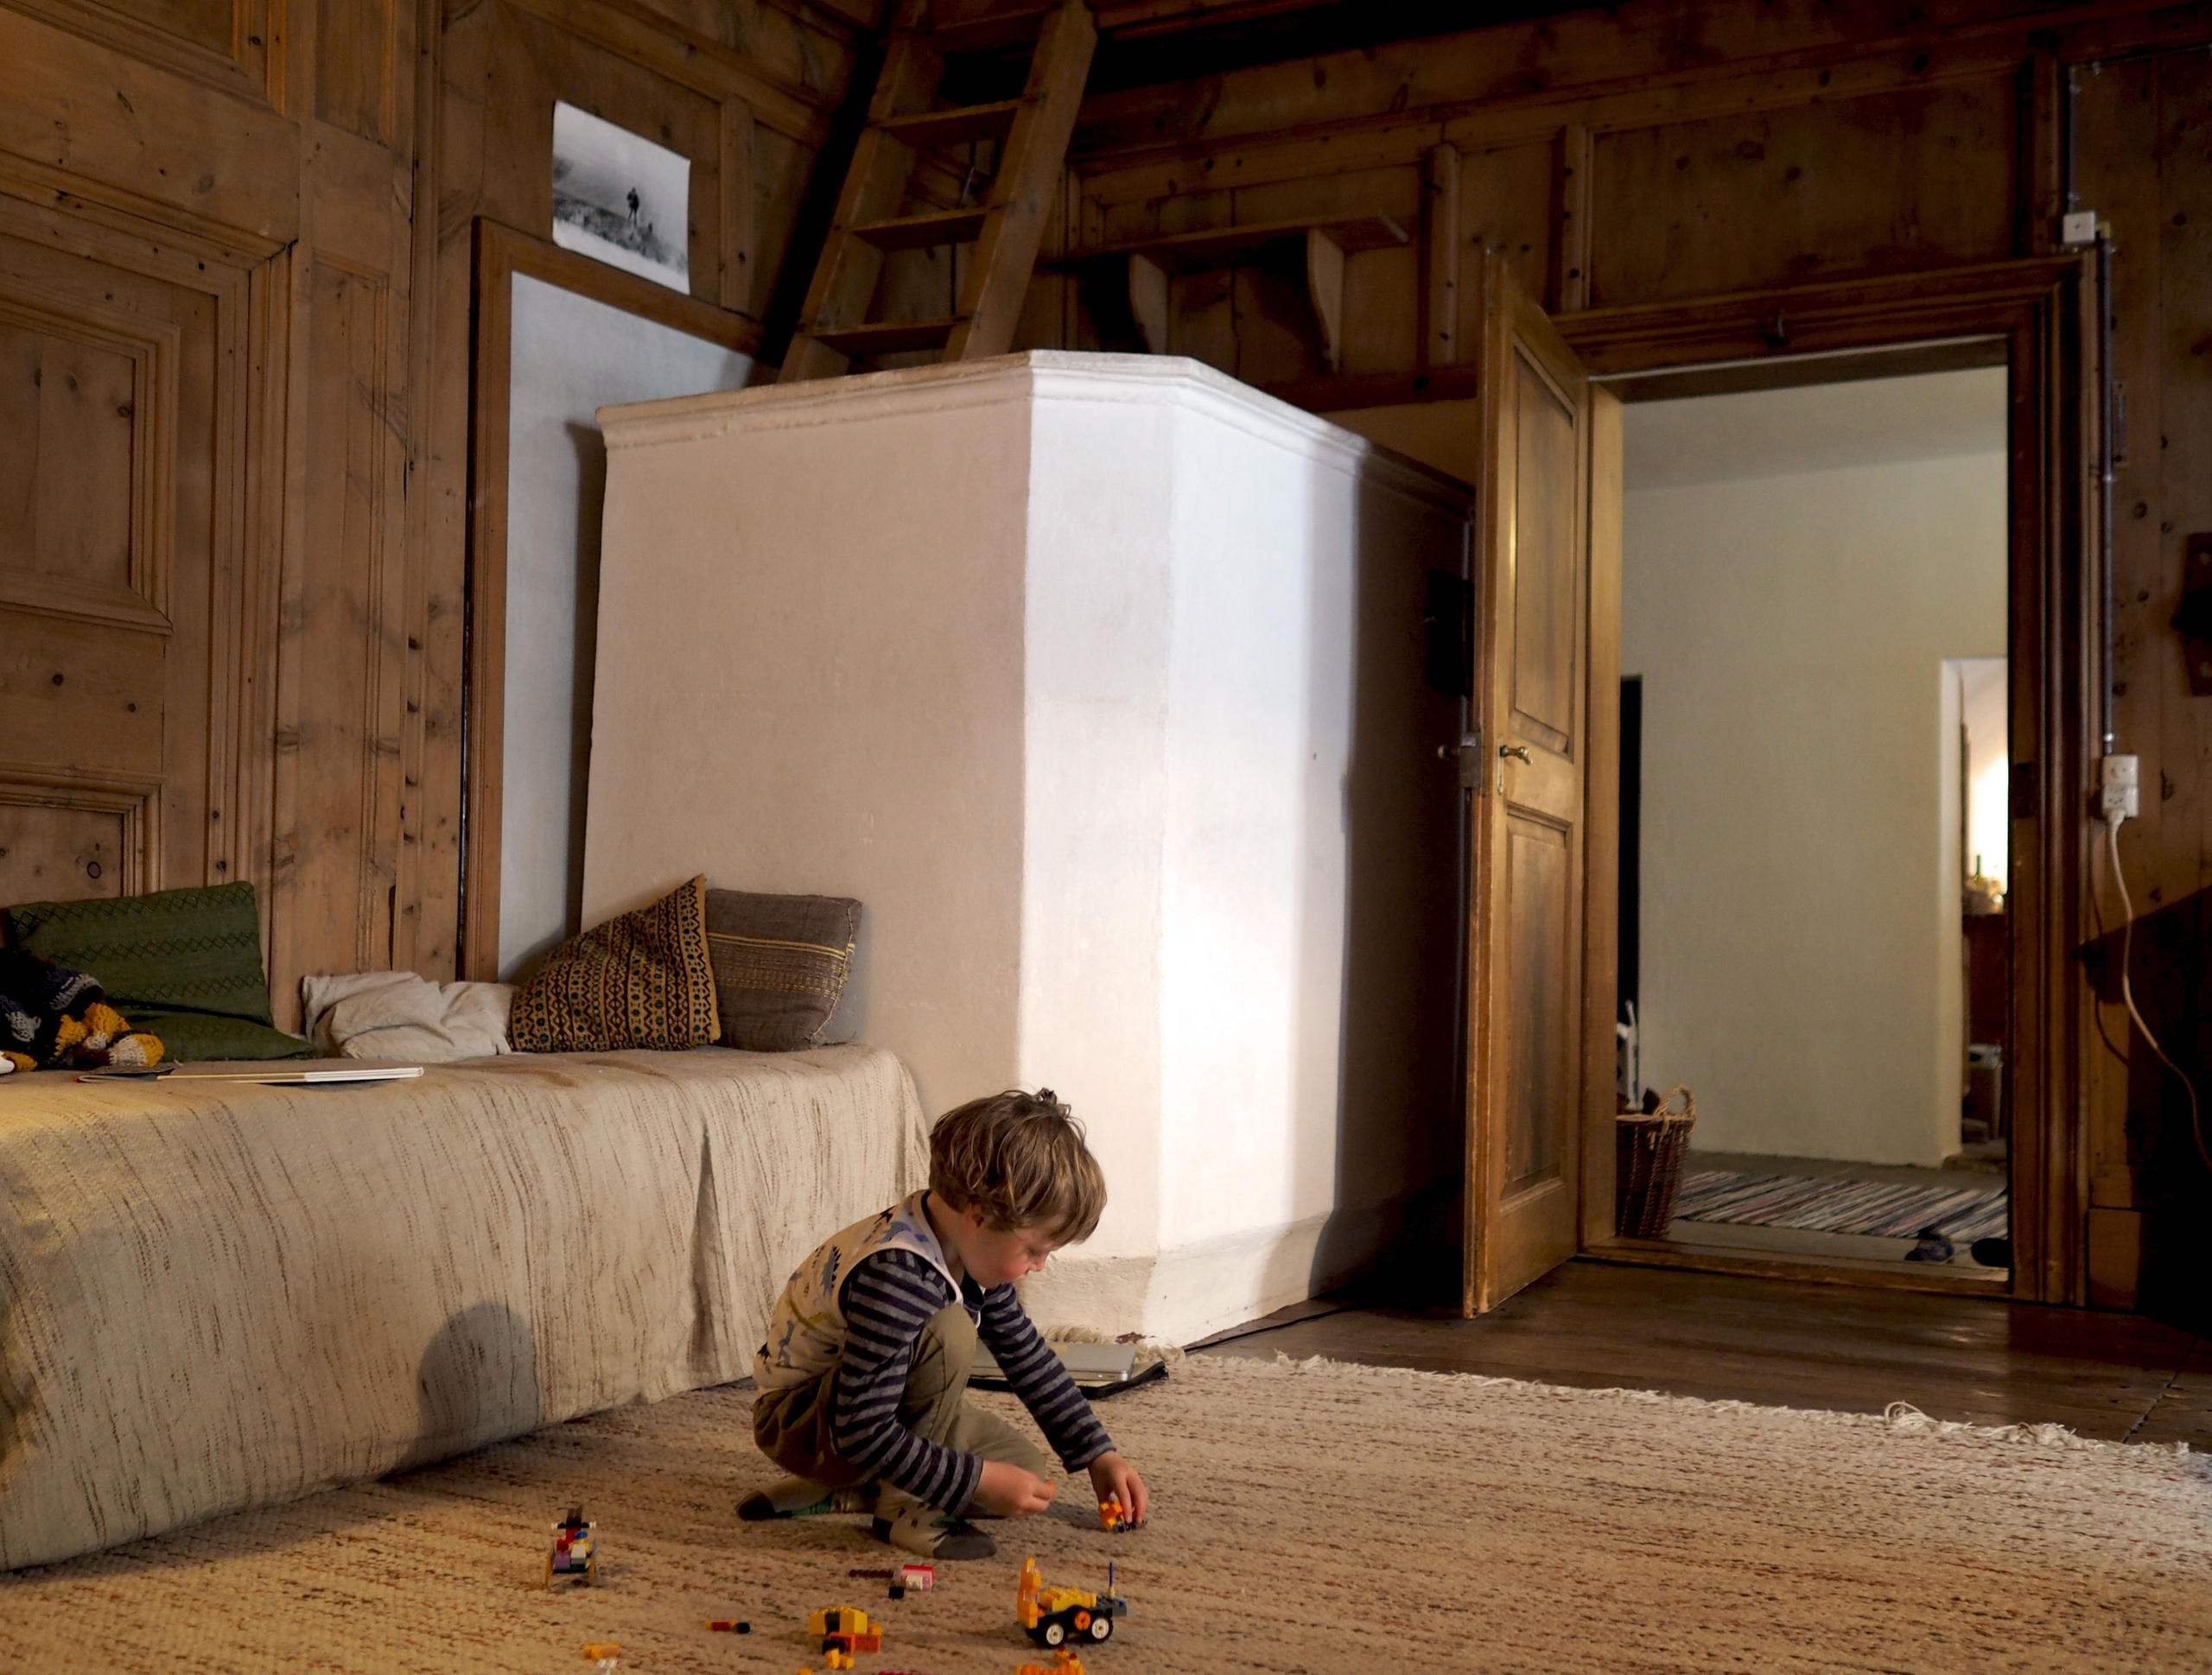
(2040, 309)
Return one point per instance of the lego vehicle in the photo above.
(576, 1550)
(1055, 1615)
(846, 1629)
(1113, 1517)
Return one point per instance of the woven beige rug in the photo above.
(1308, 1518)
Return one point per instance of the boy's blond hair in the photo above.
(1019, 1160)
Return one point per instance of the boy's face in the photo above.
(998, 1256)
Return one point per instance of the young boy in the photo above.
(863, 1378)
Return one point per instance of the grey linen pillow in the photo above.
(780, 963)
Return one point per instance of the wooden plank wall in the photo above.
(234, 410)
(1667, 149)
(747, 90)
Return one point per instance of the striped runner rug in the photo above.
(1883, 1209)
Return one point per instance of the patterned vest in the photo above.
(806, 1328)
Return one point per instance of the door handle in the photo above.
(1521, 751)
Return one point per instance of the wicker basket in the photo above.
(1648, 1153)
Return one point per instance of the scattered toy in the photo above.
(907, 1578)
(1053, 1615)
(729, 1626)
(606, 1655)
(1113, 1517)
(575, 1549)
(1065, 1662)
(845, 1630)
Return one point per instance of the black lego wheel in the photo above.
(1055, 1633)
(1101, 1628)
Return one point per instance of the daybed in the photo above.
(221, 1295)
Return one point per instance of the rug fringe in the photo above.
(1900, 1419)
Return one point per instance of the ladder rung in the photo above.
(931, 129)
(886, 337)
(943, 226)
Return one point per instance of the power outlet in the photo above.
(2119, 788)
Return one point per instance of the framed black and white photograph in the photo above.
(620, 198)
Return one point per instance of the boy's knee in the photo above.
(943, 1351)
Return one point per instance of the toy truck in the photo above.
(1055, 1615)
(576, 1550)
(845, 1628)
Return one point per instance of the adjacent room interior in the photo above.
(1815, 838)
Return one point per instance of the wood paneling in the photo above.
(2144, 141)
(1782, 196)
(357, 66)
(50, 853)
(225, 43)
(118, 401)
(87, 120)
(63, 397)
(337, 790)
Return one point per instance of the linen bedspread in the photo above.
(218, 1295)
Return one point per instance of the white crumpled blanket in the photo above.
(399, 1015)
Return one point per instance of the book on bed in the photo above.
(275, 1071)
(1098, 1369)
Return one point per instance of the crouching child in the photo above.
(863, 1378)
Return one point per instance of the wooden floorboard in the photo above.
(1791, 1344)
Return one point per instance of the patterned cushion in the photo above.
(199, 950)
(780, 963)
(639, 980)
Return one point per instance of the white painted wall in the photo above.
(1799, 871)
(1984, 700)
(1054, 661)
(570, 355)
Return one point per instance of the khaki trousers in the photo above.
(792, 1426)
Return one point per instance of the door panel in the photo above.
(1547, 563)
(110, 406)
(1541, 1075)
(1527, 1024)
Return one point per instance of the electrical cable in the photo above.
(2127, 991)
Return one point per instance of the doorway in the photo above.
(2032, 320)
(1813, 639)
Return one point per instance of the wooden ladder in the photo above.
(1006, 229)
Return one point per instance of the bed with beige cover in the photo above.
(220, 1295)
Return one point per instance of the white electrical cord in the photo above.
(2127, 992)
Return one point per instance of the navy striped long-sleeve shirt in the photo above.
(888, 1298)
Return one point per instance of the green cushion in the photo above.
(192, 1036)
(195, 950)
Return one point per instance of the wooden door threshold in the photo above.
(1821, 1270)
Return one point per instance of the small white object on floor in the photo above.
(399, 1015)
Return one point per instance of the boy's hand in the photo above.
(1010, 1492)
(1113, 1477)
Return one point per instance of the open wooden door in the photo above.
(1534, 1046)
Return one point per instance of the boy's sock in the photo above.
(802, 1497)
(933, 1534)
